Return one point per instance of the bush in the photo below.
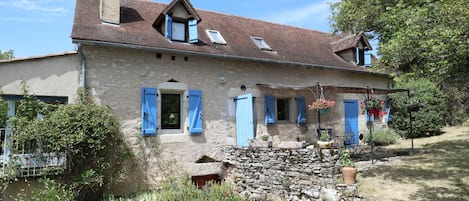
(51, 191)
(383, 136)
(427, 98)
(184, 189)
(88, 133)
(3, 112)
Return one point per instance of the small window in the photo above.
(178, 31)
(170, 111)
(260, 43)
(215, 37)
(283, 111)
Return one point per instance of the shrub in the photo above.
(427, 98)
(383, 136)
(3, 112)
(88, 133)
(51, 190)
(184, 189)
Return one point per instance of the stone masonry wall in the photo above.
(281, 174)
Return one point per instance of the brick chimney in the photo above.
(109, 11)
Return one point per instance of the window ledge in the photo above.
(174, 138)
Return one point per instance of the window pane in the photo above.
(282, 109)
(214, 36)
(179, 31)
(170, 111)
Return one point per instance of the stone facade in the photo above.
(282, 174)
(116, 76)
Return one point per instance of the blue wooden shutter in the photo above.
(269, 110)
(149, 118)
(193, 36)
(195, 112)
(301, 110)
(168, 27)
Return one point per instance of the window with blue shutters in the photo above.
(177, 29)
(149, 112)
(269, 110)
(300, 110)
(195, 112)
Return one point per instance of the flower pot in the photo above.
(324, 110)
(325, 144)
(349, 174)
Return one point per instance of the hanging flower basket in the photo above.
(324, 110)
(373, 106)
(322, 105)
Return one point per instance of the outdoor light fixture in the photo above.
(243, 87)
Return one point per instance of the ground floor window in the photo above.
(170, 111)
(283, 112)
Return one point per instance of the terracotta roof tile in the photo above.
(350, 41)
(289, 44)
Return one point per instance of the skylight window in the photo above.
(215, 37)
(260, 43)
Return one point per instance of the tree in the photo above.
(6, 54)
(421, 38)
(426, 103)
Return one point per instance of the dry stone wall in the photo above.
(282, 174)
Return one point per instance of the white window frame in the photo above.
(214, 40)
(260, 43)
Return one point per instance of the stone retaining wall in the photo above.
(282, 174)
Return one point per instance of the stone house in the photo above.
(185, 83)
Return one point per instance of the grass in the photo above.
(438, 169)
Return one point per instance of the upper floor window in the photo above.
(260, 43)
(215, 37)
(184, 30)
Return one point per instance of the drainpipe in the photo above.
(83, 66)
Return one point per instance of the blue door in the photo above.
(351, 122)
(244, 120)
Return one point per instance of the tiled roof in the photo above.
(350, 41)
(39, 57)
(289, 44)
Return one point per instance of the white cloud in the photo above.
(44, 6)
(16, 19)
(316, 12)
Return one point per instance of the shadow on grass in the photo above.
(445, 160)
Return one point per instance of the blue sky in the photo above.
(40, 27)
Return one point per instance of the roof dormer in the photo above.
(353, 48)
(178, 22)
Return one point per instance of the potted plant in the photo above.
(325, 141)
(349, 171)
(322, 105)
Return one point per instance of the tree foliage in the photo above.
(6, 54)
(426, 103)
(422, 38)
